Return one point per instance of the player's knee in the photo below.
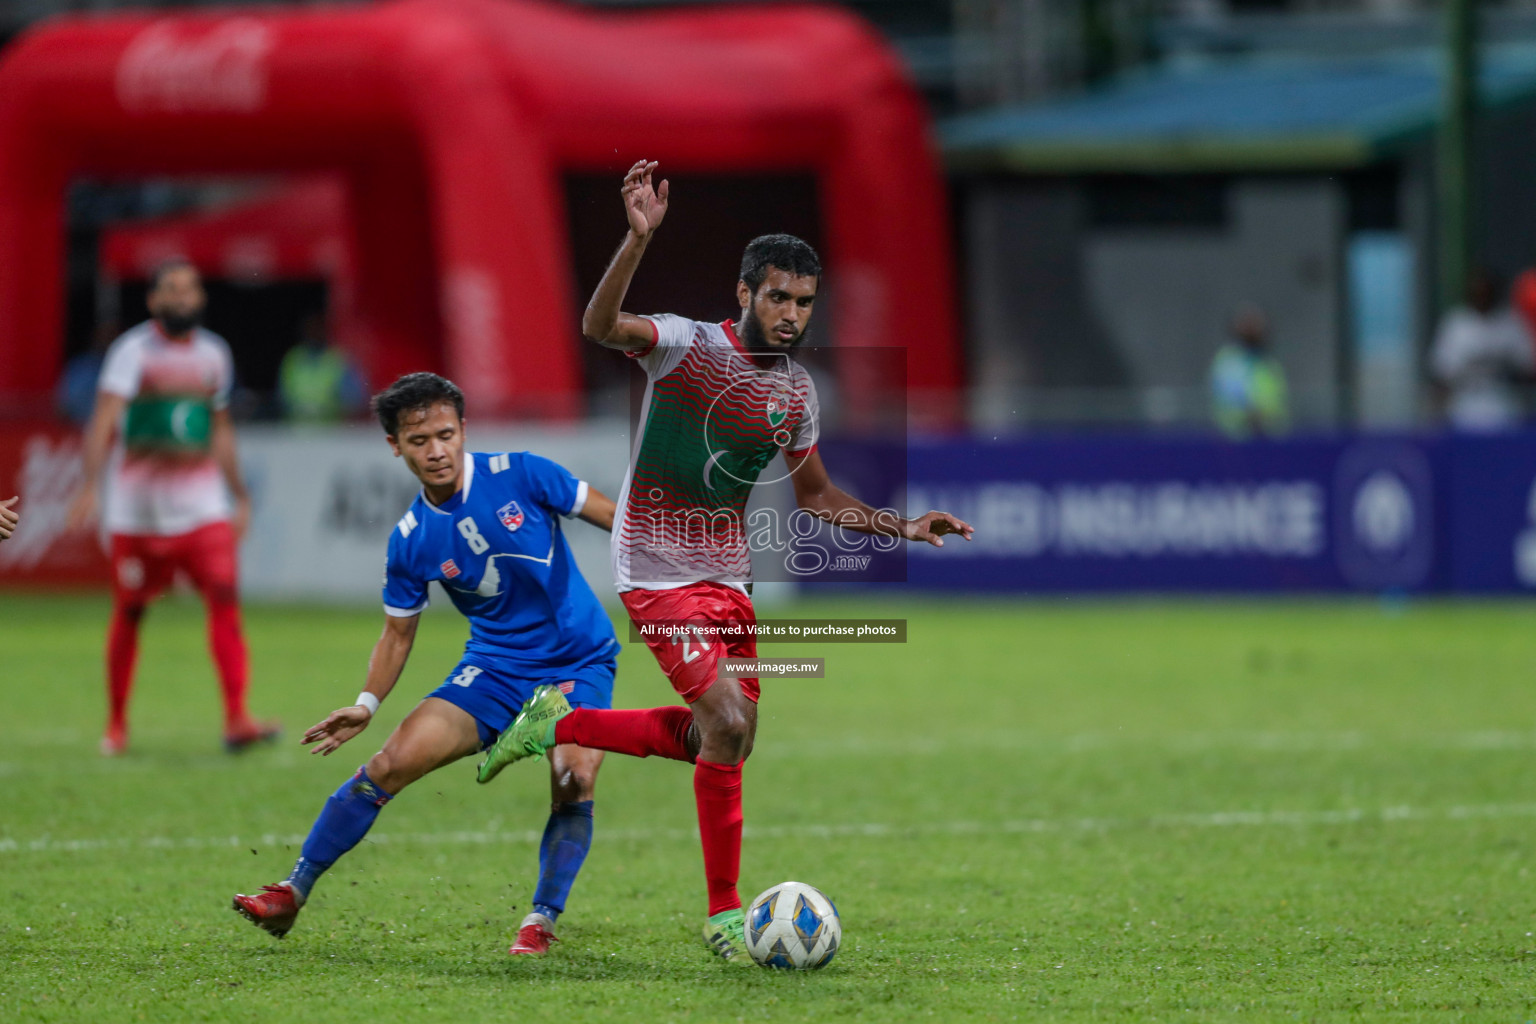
(732, 727)
(388, 772)
(132, 612)
(573, 785)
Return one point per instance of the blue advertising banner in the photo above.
(1492, 513)
(1369, 513)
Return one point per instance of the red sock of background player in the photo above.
(229, 655)
(717, 788)
(122, 653)
(659, 731)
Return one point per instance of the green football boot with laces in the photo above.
(725, 934)
(529, 735)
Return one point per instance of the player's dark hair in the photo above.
(167, 265)
(786, 252)
(414, 391)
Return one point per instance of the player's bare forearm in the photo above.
(604, 321)
(99, 433)
(222, 443)
(598, 510)
(840, 508)
(98, 439)
(384, 668)
(390, 654)
(816, 493)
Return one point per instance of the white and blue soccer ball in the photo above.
(793, 926)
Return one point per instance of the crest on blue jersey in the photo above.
(511, 516)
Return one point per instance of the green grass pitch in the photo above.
(1183, 811)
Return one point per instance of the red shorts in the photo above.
(691, 661)
(144, 565)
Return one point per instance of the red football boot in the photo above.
(533, 937)
(272, 910)
(250, 732)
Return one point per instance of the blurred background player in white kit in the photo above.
(163, 397)
(1482, 353)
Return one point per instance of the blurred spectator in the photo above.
(76, 393)
(1248, 396)
(1482, 352)
(316, 382)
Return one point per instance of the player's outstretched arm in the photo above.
(9, 517)
(816, 493)
(384, 668)
(598, 509)
(604, 321)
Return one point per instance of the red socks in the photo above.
(122, 652)
(225, 641)
(229, 655)
(659, 731)
(717, 788)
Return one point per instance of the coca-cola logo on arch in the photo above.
(177, 67)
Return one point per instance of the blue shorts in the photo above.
(493, 697)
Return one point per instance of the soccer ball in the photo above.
(793, 926)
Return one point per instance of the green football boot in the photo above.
(726, 936)
(529, 735)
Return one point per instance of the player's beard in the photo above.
(755, 340)
(177, 324)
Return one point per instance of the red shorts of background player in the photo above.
(144, 565)
(692, 660)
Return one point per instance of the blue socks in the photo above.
(567, 838)
(350, 812)
(344, 820)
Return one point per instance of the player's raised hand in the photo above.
(9, 517)
(645, 204)
(337, 727)
(935, 526)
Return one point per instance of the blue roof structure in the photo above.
(1269, 113)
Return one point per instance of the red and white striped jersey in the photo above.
(712, 419)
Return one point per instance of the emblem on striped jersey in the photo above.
(511, 516)
(777, 406)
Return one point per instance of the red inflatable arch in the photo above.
(450, 122)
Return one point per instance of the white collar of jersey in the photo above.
(469, 478)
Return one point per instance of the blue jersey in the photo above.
(497, 549)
